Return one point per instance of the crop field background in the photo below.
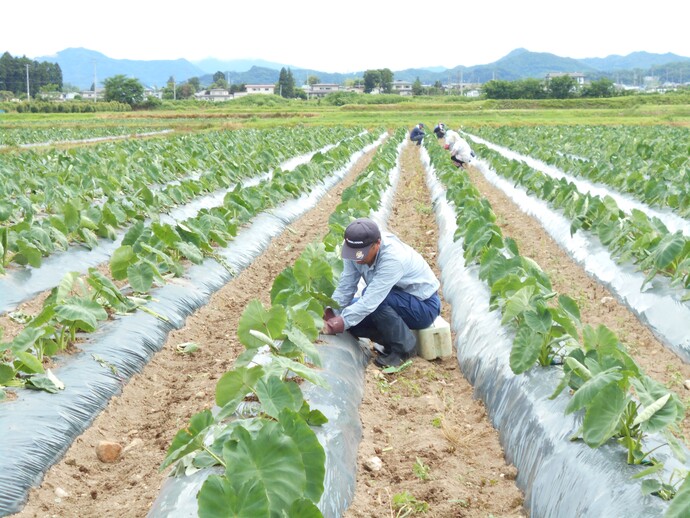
(149, 259)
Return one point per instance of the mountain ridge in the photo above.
(80, 66)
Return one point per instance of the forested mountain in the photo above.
(80, 66)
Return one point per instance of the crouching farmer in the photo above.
(401, 292)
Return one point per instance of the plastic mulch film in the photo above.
(95, 139)
(344, 361)
(383, 213)
(560, 477)
(22, 284)
(626, 203)
(38, 428)
(658, 306)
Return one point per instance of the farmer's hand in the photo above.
(328, 313)
(333, 326)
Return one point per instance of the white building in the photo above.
(261, 89)
(214, 95)
(401, 87)
(319, 90)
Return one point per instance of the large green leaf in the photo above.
(525, 350)
(668, 250)
(570, 307)
(29, 363)
(234, 386)
(297, 338)
(27, 254)
(563, 319)
(25, 339)
(62, 291)
(89, 238)
(46, 382)
(539, 320)
(284, 285)
(121, 259)
(271, 322)
(603, 417)
(107, 290)
(651, 392)
(313, 454)
(133, 235)
(82, 313)
(601, 338)
(190, 251)
(140, 276)
(276, 395)
(304, 509)
(312, 273)
(6, 373)
(306, 316)
(219, 498)
(271, 457)
(584, 396)
(517, 304)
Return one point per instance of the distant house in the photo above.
(401, 87)
(214, 95)
(261, 89)
(318, 90)
(577, 76)
(90, 95)
(153, 92)
(465, 89)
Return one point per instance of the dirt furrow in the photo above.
(159, 401)
(597, 304)
(437, 446)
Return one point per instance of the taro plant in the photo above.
(523, 293)
(605, 379)
(617, 399)
(272, 460)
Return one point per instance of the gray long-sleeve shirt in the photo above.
(396, 265)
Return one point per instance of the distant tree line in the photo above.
(560, 87)
(43, 76)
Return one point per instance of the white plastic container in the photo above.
(434, 341)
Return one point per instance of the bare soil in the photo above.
(426, 413)
(435, 442)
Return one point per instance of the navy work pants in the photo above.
(390, 324)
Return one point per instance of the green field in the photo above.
(388, 110)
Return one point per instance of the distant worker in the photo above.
(440, 130)
(417, 134)
(460, 151)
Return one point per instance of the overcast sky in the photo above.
(345, 36)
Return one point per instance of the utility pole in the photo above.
(95, 94)
(28, 96)
(174, 90)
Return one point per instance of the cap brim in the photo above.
(354, 254)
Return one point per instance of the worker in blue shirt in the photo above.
(401, 292)
(417, 134)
